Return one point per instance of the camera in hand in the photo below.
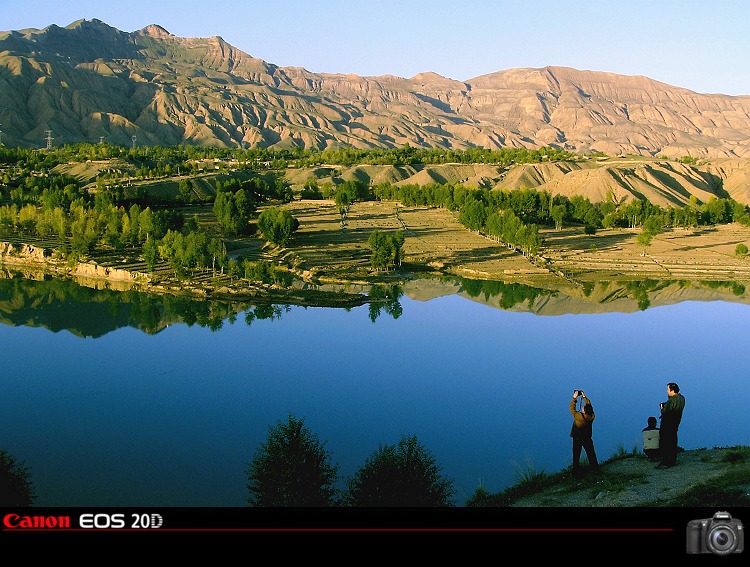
(720, 535)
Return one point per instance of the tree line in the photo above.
(51, 204)
(158, 161)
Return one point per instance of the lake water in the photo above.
(114, 400)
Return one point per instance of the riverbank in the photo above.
(717, 477)
(329, 263)
(36, 262)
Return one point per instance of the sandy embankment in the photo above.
(35, 261)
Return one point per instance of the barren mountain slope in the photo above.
(89, 80)
(664, 183)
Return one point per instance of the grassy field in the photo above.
(435, 241)
(325, 249)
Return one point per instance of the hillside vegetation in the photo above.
(283, 225)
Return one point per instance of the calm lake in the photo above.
(121, 399)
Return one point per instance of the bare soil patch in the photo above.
(436, 241)
(705, 253)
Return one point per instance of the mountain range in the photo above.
(91, 82)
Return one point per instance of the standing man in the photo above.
(671, 415)
(581, 434)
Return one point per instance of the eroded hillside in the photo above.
(90, 81)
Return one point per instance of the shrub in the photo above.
(277, 225)
(291, 469)
(16, 487)
(405, 474)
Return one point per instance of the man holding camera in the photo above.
(581, 433)
(671, 415)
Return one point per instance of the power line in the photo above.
(49, 138)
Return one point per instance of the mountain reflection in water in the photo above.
(161, 400)
(58, 304)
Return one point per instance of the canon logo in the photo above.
(14, 521)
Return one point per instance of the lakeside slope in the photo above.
(702, 477)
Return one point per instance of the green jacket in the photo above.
(671, 412)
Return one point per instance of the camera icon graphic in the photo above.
(720, 535)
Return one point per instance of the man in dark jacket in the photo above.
(671, 415)
(581, 433)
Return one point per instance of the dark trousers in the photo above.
(586, 444)
(668, 445)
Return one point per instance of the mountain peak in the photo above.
(155, 30)
(83, 22)
(90, 79)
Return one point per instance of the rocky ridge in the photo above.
(89, 80)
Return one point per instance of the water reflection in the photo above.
(607, 296)
(505, 295)
(87, 312)
(90, 312)
(385, 299)
(192, 403)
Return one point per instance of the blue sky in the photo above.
(700, 45)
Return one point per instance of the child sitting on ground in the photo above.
(651, 440)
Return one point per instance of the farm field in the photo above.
(436, 241)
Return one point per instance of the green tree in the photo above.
(343, 200)
(387, 249)
(185, 189)
(652, 226)
(644, 239)
(150, 253)
(16, 486)
(217, 251)
(277, 225)
(405, 474)
(473, 214)
(172, 249)
(311, 190)
(741, 249)
(233, 269)
(558, 215)
(291, 469)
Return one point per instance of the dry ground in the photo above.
(705, 253)
(436, 240)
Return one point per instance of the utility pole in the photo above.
(1, 136)
(49, 138)
(133, 141)
(101, 139)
